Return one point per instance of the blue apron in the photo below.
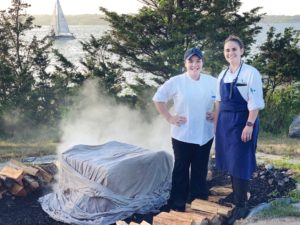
(232, 154)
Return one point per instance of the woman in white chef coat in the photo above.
(193, 94)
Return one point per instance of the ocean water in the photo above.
(72, 49)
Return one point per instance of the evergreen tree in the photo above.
(30, 93)
(278, 59)
(154, 40)
(278, 62)
(151, 43)
(98, 63)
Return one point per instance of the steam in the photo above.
(96, 120)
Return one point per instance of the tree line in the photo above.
(148, 44)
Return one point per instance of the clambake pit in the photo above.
(105, 183)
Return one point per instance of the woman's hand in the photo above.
(210, 116)
(247, 133)
(177, 120)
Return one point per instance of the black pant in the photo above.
(189, 156)
(240, 189)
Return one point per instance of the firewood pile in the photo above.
(199, 212)
(20, 180)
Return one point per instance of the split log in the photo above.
(211, 207)
(44, 174)
(31, 182)
(7, 182)
(215, 198)
(214, 219)
(217, 220)
(121, 222)
(207, 215)
(168, 219)
(220, 190)
(17, 190)
(15, 174)
(133, 223)
(197, 219)
(144, 223)
(27, 169)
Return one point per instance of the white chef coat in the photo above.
(249, 84)
(192, 99)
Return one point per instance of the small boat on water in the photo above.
(59, 25)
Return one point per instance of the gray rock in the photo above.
(258, 209)
(294, 129)
(297, 205)
(264, 206)
(269, 166)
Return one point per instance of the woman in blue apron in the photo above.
(238, 101)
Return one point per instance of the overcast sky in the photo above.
(271, 7)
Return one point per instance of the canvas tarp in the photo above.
(105, 183)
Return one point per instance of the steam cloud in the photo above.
(96, 120)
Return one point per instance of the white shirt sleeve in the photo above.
(165, 92)
(218, 95)
(255, 91)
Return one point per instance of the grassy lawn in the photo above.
(279, 145)
(279, 209)
(18, 151)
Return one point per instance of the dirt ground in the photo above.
(28, 211)
(24, 211)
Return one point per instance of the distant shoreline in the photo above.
(280, 19)
(84, 19)
(98, 19)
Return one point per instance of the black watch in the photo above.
(249, 124)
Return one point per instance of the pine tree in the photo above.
(151, 43)
(27, 92)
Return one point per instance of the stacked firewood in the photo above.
(20, 179)
(199, 212)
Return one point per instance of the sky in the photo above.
(71, 7)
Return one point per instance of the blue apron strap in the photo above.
(233, 83)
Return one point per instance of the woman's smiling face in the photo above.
(233, 52)
(194, 65)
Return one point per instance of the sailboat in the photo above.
(59, 25)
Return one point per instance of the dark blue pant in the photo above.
(188, 186)
(240, 189)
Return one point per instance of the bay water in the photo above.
(72, 49)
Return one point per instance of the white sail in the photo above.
(59, 25)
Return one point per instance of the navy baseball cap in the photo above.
(192, 51)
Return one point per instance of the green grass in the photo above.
(295, 195)
(279, 209)
(278, 145)
(282, 145)
(9, 150)
(284, 163)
